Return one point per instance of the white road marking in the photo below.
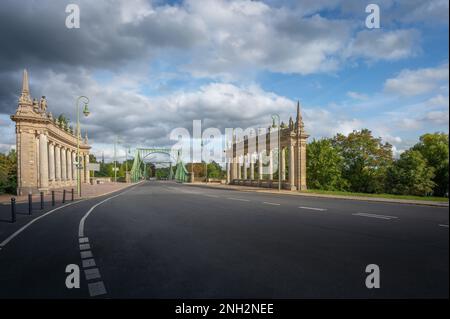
(269, 203)
(443, 225)
(86, 254)
(92, 273)
(88, 263)
(375, 216)
(83, 240)
(96, 288)
(214, 196)
(7, 240)
(83, 219)
(85, 246)
(11, 237)
(238, 199)
(313, 208)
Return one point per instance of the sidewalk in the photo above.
(87, 191)
(22, 209)
(294, 193)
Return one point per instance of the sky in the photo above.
(149, 67)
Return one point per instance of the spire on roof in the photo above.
(25, 95)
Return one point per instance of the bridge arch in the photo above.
(138, 168)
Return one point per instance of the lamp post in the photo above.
(279, 149)
(206, 165)
(78, 163)
(117, 141)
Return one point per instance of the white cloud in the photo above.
(357, 96)
(378, 44)
(415, 82)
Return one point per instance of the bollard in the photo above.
(13, 210)
(53, 198)
(72, 195)
(42, 200)
(64, 196)
(30, 203)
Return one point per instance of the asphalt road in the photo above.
(167, 240)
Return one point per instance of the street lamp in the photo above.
(279, 150)
(78, 163)
(117, 141)
(206, 165)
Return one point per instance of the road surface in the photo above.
(168, 240)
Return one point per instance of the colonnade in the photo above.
(57, 164)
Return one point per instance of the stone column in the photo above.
(69, 165)
(63, 164)
(228, 171)
(291, 166)
(283, 164)
(260, 166)
(244, 166)
(74, 168)
(86, 168)
(51, 161)
(252, 167)
(271, 165)
(58, 163)
(43, 161)
(239, 168)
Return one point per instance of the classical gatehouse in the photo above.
(46, 149)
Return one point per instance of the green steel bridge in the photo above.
(138, 170)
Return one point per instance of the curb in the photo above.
(366, 199)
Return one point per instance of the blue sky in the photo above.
(152, 66)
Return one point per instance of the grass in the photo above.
(391, 196)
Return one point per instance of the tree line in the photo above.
(362, 163)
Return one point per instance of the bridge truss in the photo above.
(138, 170)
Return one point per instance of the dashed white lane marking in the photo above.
(7, 240)
(238, 199)
(85, 246)
(313, 208)
(86, 254)
(88, 263)
(375, 216)
(96, 289)
(443, 225)
(91, 273)
(213, 196)
(269, 203)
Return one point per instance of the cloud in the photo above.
(378, 44)
(357, 96)
(415, 82)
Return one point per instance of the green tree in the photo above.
(324, 166)
(8, 172)
(215, 170)
(366, 160)
(410, 175)
(434, 148)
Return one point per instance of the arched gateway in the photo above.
(46, 149)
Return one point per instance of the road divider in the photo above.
(375, 216)
(273, 204)
(313, 208)
(238, 199)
